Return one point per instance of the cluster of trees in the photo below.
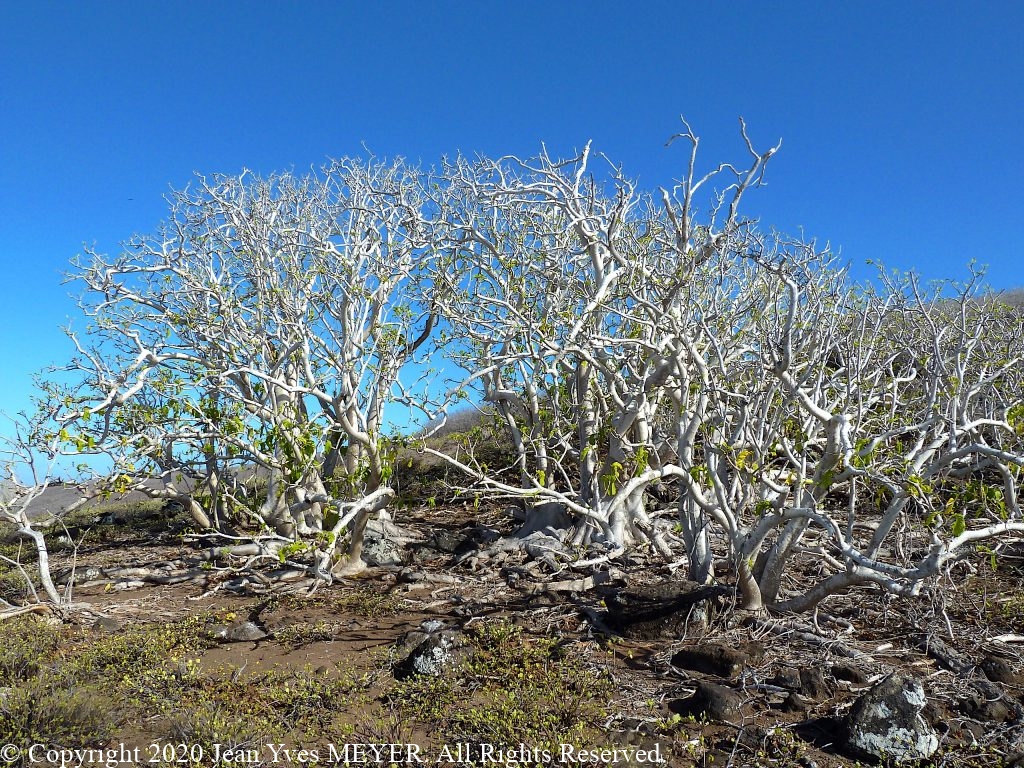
(240, 360)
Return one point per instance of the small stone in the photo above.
(787, 677)
(106, 624)
(986, 701)
(447, 542)
(940, 716)
(796, 703)
(886, 722)
(238, 632)
(999, 670)
(717, 659)
(814, 684)
(849, 673)
(716, 702)
(440, 653)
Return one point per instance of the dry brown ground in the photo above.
(349, 630)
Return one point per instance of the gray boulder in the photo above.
(886, 722)
(439, 653)
(238, 632)
(384, 542)
(381, 552)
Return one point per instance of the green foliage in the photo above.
(610, 479)
(303, 633)
(513, 689)
(51, 710)
(1015, 418)
(26, 647)
(215, 728)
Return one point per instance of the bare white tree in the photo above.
(22, 481)
(575, 300)
(818, 434)
(244, 354)
(623, 344)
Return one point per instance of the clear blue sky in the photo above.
(901, 121)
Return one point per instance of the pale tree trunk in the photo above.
(45, 579)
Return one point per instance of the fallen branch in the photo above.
(576, 585)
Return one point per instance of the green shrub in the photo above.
(47, 710)
(28, 646)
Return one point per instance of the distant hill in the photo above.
(1013, 296)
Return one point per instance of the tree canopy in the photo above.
(630, 345)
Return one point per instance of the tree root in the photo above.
(804, 633)
(40, 608)
(539, 545)
(576, 585)
(60, 612)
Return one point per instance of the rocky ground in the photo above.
(495, 660)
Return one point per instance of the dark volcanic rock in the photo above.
(442, 544)
(814, 684)
(850, 673)
(716, 702)
(944, 654)
(999, 670)
(985, 700)
(663, 610)
(886, 722)
(407, 642)
(787, 677)
(718, 659)
(438, 654)
(796, 703)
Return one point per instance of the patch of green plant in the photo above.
(236, 713)
(12, 584)
(18, 549)
(303, 633)
(1007, 610)
(215, 727)
(426, 698)
(364, 601)
(368, 603)
(130, 655)
(47, 709)
(310, 700)
(28, 647)
(513, 689)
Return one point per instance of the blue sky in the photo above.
(900, 120)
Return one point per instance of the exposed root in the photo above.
(576, 585)
(805, 633)
(60, 612)
(39, 608)
(347, 569)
